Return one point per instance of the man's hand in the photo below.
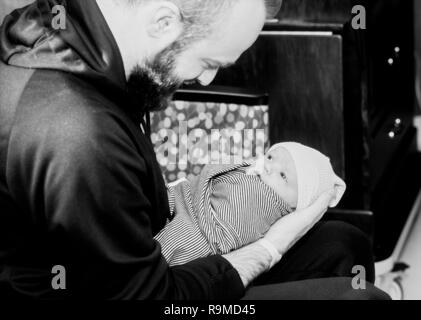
(254, 259)
(291, 228)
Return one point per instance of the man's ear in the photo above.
(165, 23)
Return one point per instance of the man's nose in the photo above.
(207, 77)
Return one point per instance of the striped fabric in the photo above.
(220, 210)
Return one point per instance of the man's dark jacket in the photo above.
(80, 186)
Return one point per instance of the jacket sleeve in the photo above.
(83, 178)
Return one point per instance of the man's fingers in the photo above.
(319, 207)
(325, 198)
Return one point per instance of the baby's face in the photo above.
(277, 170)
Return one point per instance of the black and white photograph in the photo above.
(210, 155)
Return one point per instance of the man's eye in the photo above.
(190, 82)
(211, 67)
(269, 157)
(283, 175)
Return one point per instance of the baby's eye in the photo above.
(283, 176)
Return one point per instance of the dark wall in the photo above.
(417, 16)
(316, 10)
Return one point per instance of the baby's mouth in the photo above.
(257, 168)
(252, 170)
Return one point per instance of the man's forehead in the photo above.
(240, 25)
(223, 49)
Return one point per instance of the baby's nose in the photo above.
(266, 166)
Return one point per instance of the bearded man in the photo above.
(80, 186)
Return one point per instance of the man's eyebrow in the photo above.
(218, 64)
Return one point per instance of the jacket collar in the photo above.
(86, 47)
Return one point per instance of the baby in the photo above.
(229, 206)
(298, 174)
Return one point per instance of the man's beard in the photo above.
(154, 84)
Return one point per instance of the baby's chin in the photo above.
(251, 172)
(293, 204)
(290, 200)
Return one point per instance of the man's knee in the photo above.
(370, 293)
(347, 246)
(376, 294)
(344, 289)
(349, 235)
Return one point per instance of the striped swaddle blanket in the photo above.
(220, 210)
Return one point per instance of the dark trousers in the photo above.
(320, 267)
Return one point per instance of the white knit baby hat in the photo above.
(315, 174)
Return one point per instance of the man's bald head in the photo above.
(200, 17)
(165, 43)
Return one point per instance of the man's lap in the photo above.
(320, 266)
(315, 289)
